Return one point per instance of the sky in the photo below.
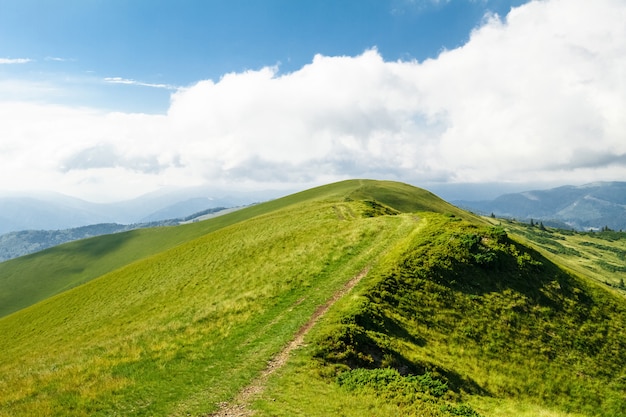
(106, 100)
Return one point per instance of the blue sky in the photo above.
(106, 100)
(83, 47)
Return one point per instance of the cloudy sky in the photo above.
(106, 100)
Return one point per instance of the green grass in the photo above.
(509, 334)
(600, 256)
(454, 318)
(182, 330)
(33, 278)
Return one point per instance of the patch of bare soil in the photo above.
(239, 407)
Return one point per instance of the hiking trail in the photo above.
(239, 406)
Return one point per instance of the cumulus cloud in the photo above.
(537, 95)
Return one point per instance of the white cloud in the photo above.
(59, 59)
(537, 96)
(534, 90)
(127, 81)
(9, 61)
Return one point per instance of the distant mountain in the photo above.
(51, 211)
(590, 206)
(48, 211)
(24, 242)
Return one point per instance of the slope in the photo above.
(184, 328)
(454, 317)
(599, 256)
(25, 242)
(460, 319)
(30, 279)
(27, 280)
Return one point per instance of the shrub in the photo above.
(389, 383)
(460, 410)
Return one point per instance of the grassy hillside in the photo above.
(155, 331)
(453, 318)
(600, 256)
(462, 320)
(30, 279)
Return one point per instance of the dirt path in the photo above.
(239, 406)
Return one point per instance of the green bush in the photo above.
(460, 410)
(389, 383)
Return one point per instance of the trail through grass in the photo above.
(239, 407)
(33, 278)
(454, 318)
(464, 307)
(185, 330)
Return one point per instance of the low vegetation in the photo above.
(456, 317)
(27, 280)
(33, 278)
(460, 319)
(599, 255)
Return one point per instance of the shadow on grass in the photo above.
(526, 272)
(95, 247)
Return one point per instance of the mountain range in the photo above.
(52, 211)
(586, 207)
(32, 223)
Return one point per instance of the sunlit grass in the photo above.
(190, 322)
(27, 280)
(183, 330)
(511, 335)
(600, 256)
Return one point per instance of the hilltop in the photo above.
(394, 302)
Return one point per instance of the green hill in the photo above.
(30, 279)
(451, 317)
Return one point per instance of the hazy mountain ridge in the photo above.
(51, 211)
(24, 242)
(590, 206)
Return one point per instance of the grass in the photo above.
(183, 330)
(27, 280)
(600, 256)
(455, 318)
(509, 334)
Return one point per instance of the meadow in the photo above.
(27, 280)
(455, 317)
(599, 255)
(491, 326)
(183, 329)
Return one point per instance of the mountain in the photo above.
(24, 242)
(590, 206)
(356, 298)
(51, 211)
(48, 211)
(15, 244)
